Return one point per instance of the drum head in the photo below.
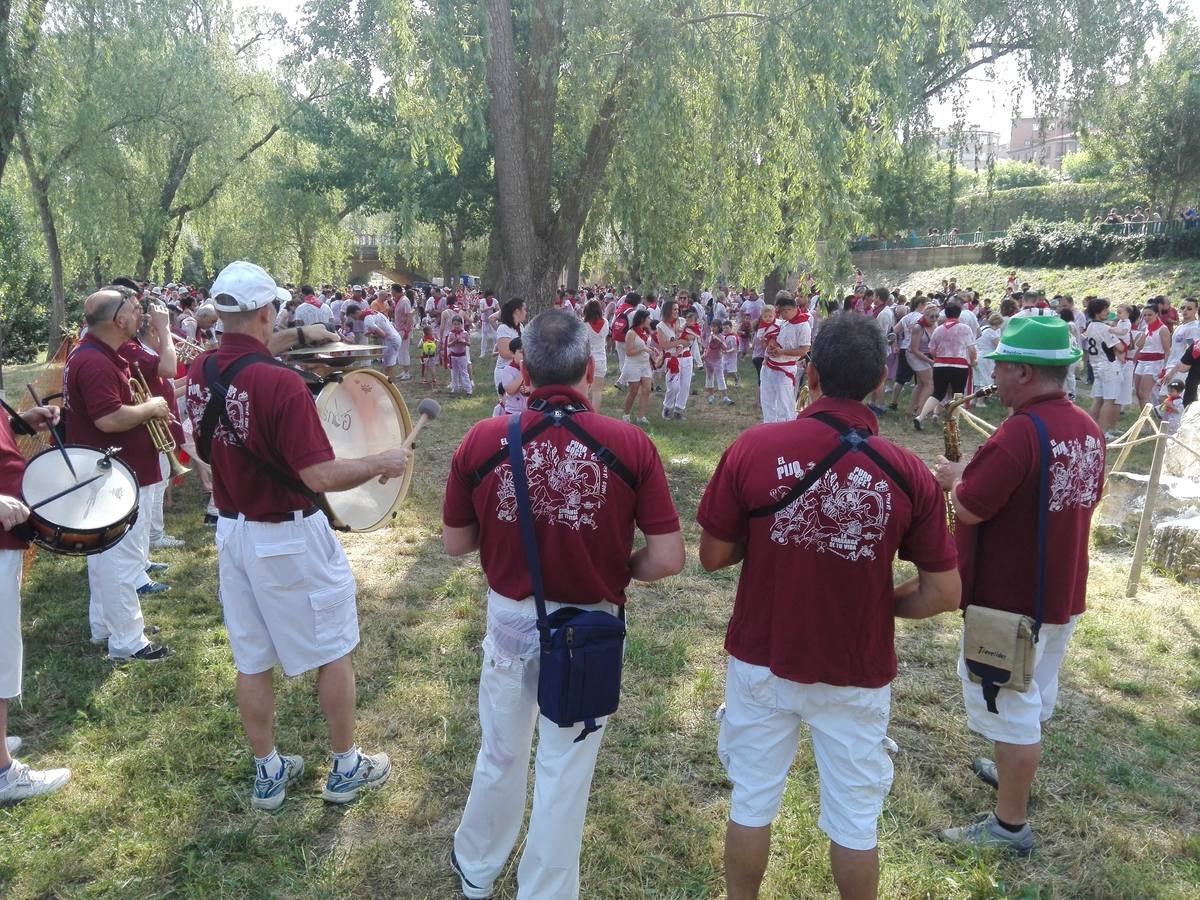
(364, 414)
(98, 505)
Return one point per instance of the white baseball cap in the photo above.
(243, 287)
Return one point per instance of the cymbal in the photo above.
(338, 349)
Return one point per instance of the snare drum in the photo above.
(363, 413)
(88, 520)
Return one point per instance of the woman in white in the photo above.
(597, 335)
(678, 349)
(989, 337)
(952, 349)
(511, 316)
(1100, 344)
(919, 361)
(636, 372)
(488, 307)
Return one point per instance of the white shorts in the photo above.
(11, 564)
(635, 368)
(1149, 367)
(917, 365)
(1107, 383)
(1019, 716)
(760, 730)
(287, 593)
(1125, 389)
(391, 353)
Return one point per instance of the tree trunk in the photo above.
(169, 261)
(457, 240)
(40, 186)
(574, 259)
(774, 283)
(493, 268)
(444, 261)
(18, 44)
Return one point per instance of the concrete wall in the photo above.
(919, 259)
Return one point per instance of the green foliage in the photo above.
(1015, 174)
(1089, 164)
(24, 290)
(1050, 202)
(1032, 243)
(1149, 129)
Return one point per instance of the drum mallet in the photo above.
(427, 411)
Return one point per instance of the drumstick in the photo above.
(69, 490)
(427, 411)
(54, 435)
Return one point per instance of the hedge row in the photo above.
(1048, 202)
(1031, 243)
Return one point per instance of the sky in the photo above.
(991, 100)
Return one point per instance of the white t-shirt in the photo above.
(885, 320)
(598, 344)
(1188, 331)
(1036, 311)
(968, 318)
(792, 335)
(907, 324)
(307, 314)
(380, 326)
(1096, 337)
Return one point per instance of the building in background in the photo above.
(1042, 141)
(972, 146)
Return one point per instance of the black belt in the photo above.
(271, 519)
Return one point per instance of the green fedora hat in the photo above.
(1036, 341)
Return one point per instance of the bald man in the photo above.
(101, 413)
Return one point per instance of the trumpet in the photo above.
(160, 434)
(950, 438)
(186, 351)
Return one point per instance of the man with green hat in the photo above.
(997, 497)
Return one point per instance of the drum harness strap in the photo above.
(558, 416)
(19, 425)
(216, 409)
(853, 440)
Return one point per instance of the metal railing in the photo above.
(923, 241)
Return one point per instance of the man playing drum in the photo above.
(101, 413)
(17, 780)
(286, 588)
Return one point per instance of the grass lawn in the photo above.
(159, 802)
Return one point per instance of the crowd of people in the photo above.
(813, 504)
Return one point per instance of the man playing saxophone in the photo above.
(101, 413)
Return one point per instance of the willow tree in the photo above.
(20, 31)
(784, 98)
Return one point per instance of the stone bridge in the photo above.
(374, 253)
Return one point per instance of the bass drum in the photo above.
(88, 520)
(363, 413)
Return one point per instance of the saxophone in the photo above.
(950, 438)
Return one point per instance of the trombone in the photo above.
(160, 434)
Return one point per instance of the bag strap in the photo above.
(19, 425)
(219, 384)
(853, 439)
(1043, 521)
(554, 417)
(516, 457)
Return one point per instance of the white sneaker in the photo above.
(23, 782)
(269, 792)
(12, 743)
(166, 542)
(371, 771)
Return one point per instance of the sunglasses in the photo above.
(120, 307)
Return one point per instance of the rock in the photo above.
(1178, 462)
(1175, 547)
(1125, 497)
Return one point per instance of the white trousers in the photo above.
(679, 386)
(508, 710)
(158, 493)
(460, 374)
(11, 651)
(114, 609)
(778, 396)
(620, 345)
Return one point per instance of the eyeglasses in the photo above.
(120, 307)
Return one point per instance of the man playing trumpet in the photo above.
(101, 413)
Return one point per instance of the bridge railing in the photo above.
(919, 241)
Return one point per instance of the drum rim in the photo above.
(125, 523)
(406, 481)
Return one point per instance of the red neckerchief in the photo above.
(642, 332)
(597, 326)
(949, 323)
(311, 300)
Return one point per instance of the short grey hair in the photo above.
(556, 348)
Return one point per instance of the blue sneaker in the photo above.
(153, 587)
(269, 792)
(469, 890)
(370, 772)
(154, 568)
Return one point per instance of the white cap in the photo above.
(706, 296)
(243, 287)
(357, 287)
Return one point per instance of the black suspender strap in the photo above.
(19, 425)
(552, 417)
(853, 440)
